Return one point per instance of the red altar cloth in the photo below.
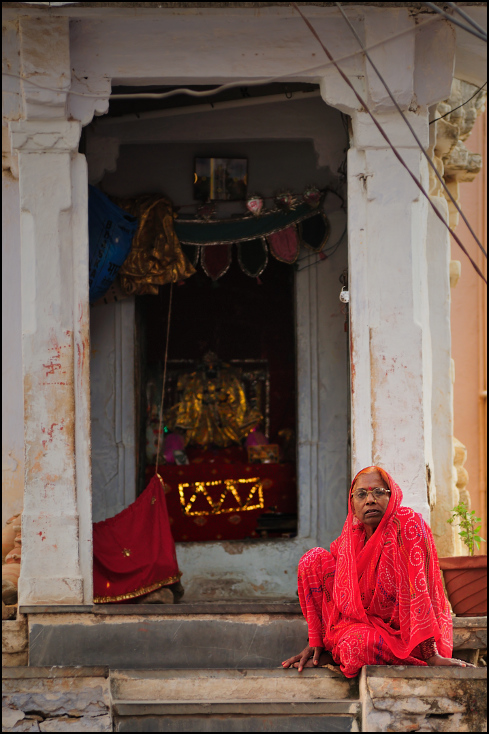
(134, 552)
(278, 491)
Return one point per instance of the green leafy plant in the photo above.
(469, 524)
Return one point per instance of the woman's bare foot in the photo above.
(324, 659)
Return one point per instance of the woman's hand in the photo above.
(303, 657)
(439, 660)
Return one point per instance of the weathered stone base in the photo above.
(15, 641)
(389, 698)
(56, 699)
(402, 698)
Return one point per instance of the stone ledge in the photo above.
(469, 622)
(60, 671)
(217, 607)
(427, 672)
(267, 708)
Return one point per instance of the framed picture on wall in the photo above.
(220, 179)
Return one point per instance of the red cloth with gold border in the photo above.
(279, 493)
(134, 552)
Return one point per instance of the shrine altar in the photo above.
(220, 496)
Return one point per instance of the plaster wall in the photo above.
(12, 389)
(469, 332)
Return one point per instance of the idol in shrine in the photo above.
(213, 409)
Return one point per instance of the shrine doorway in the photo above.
(292, 325)
(249, 325)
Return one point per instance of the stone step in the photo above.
(150, 636)
(219, 686)
(250, 700)
(165, 641)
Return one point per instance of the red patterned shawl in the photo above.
(398, 576)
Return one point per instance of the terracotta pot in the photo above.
(14, 556)
(466, 584)
(11, 572)
(9, 532)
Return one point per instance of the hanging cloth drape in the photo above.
(242, 229)
(156, 257)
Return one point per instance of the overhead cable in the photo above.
(482, 35)
(384, 135)
(411, 129)
(467, 17)
(459, 106)
(222, 87)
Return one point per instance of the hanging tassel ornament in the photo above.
(254, 204)
(312, 196)
(286, 201)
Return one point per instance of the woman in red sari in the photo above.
(376, 598)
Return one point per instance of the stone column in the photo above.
(57, 518)
(55, 356)
(389, 309)
(390, 337)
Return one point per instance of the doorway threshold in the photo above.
(218, 606)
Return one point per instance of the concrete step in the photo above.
(152, 637)
(234, 700)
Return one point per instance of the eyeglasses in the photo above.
(378, 493)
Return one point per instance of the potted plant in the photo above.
(466, 576)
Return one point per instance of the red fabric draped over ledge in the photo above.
(134, 552)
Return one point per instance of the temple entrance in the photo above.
(244, 508)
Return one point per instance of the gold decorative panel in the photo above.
(246, 494)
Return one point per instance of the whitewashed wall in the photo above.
(88, 49)
(12, 389)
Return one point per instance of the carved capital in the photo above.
(452, 159)
(461, 474)
(41, 136)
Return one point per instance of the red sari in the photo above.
(375, 602)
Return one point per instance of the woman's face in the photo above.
(370, 511)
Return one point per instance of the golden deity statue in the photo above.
(213, 408)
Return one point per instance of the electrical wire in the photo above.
(459, 106)
(222, 87)
(386, 138)
(411, 129)
(467, 17)
(432, 6)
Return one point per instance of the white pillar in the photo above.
(447, 495)
(390, 335)
(56, 552)
(389, 310)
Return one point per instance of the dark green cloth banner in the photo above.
(229, 231)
